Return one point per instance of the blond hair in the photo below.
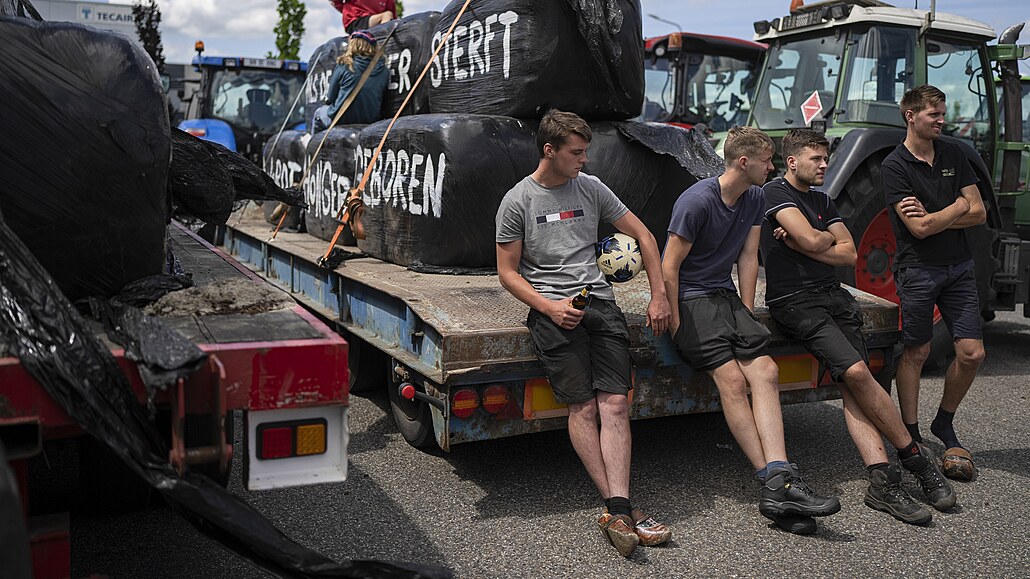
(745, 142)
(355, 47)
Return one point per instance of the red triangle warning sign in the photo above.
(811, 107)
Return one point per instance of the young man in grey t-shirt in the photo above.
(546, 231)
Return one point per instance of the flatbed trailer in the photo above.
(456, 357)
(283, 369)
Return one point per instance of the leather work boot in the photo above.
(786, 493)
(937, 489)
(886, 494)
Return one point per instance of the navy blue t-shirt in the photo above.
(788, 271)
(717, 232)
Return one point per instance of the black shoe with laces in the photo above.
(886, 494)
(786, 493)
(796, 524)
(937, 489)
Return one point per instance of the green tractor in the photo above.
(842, 67)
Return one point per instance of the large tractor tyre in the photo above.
(861, 205)
(365, 365)
(414, 418)
(15, 557)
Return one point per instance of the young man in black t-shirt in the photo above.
(932, 189)
(803, 239)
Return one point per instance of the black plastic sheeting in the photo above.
(285, 160)
(439, 180)
(320, 69)
(58, 349)
(330, 181)
(206, 179)
(85, 153)
(648, 166)
(22, 8)
(521, 57)
(406, 55)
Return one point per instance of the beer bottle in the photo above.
(580, 300)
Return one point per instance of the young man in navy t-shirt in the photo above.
(716, 223)
(932, 190)
(803, 240)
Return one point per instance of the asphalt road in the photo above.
(524, 507)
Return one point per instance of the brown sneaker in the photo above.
(619, 532)
(650, 531)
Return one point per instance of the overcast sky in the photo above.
(244, 27)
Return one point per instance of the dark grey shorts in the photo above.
(592, 356)
(716, 328)
(828, 322)
(952, 288)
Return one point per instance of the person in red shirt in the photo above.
(364, 14)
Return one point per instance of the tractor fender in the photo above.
(851, 152)
(214, 130)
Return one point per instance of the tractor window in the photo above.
(796, 69)
(957, 70)
(255, 99)
(659, 90)
(718, 90)
(879, 71)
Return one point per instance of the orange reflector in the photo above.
(311, 439)
(197, 132)
(495, 398)
(464, 402)
(876, 361)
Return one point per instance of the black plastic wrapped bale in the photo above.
(406, 55)
(320, 68)
(85, 153)
(330, 181)
(284, 161)
(433, 193)
(648, 166)
(521, 57)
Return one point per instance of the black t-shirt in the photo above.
(788, 271)
(936, 187)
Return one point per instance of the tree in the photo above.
(290, 29)
(400, 8)
(148, 18)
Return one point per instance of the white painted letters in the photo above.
(469, 50)
(412, 182)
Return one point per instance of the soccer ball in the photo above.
(618, 257)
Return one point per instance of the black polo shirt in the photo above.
(936, 187)
(788, 271)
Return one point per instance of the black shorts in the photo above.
(716, 328)
(828, 321)
(359, 24)
(592, 356)
(952, 288)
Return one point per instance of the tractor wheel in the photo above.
(414, 418)
(862, 207)
(365, 364)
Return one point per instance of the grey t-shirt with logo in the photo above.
(558, 230)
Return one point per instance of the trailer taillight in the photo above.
(495, 398)
(197, 132)
(464, 402)
(288, 439)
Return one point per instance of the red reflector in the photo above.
(197, 132)
(464, 402)
(276, 443)
(876, 361)
(495, 398)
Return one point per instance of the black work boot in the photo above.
(796, 524)
(886, 494)
(937, 489)
(786, 493)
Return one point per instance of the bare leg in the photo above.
(863, 432)
(616, 441)
(910, 367)
(969, 355)
(586, 440)
(763, 375)
(874, 404)
(737, 411)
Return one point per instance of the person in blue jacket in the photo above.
(361, 47)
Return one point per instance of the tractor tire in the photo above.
(861, 205)
(414, 418)
(365, 364)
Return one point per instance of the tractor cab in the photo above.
(842, 65)
(242, 102)
(696, 79)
